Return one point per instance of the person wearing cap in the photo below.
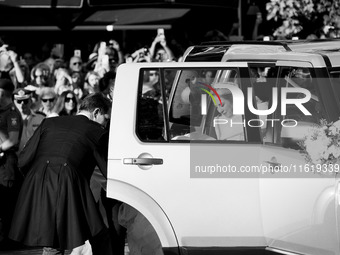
(31, 120)
(10, 128)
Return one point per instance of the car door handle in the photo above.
(142, 161)
(273, 162)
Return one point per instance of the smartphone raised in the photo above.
(160, 33)
(77, 53)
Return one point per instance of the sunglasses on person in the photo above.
(153, 74)
(69, 99)
(76, 63)
(20, 101)
(45, 100)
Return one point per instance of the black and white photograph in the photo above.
(169, 127)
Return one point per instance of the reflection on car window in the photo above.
(296, 77)
(263, 79)
(336, 82)
(200, 112)
(150, 124)
(301, 78)
(228, 126)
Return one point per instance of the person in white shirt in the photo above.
(227, 125)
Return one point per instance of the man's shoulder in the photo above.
(76, 120)
(8, 109)
(11, 111)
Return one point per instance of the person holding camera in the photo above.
(106, 57)
(141, 55)
(9, 65)
(159, 50)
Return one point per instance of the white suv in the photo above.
(211, 182)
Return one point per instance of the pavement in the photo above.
(11, 248)
(26, 251)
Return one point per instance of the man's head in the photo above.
(22, 100)
(97, 107)
(76, 64)
(47, 97)
(161, 55)
(28, 57)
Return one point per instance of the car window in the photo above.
(202, 106)
(296, 121)
(150, 115)
(335, 79)
(153, 94)
(263, 78)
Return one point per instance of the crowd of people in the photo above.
(31, 93)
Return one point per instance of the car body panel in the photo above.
(298, 207)
(171, 186)
(295, 212)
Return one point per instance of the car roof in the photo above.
(320, 52)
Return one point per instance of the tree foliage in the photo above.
(304, 17)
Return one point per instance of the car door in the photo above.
(298, 204)
(165, 159)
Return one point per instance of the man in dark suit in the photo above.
(56, 208)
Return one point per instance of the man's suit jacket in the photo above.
(55, 206)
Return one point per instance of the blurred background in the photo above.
(37, 25)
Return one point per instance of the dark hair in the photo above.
(46, 72)
(93, 101)
(60, 104)
(104, 82)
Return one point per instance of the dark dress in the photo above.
(55, 207)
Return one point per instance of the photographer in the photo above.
(159, 50)
(105, 57)
(141, 55)
(63, 81)
(9, 65)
